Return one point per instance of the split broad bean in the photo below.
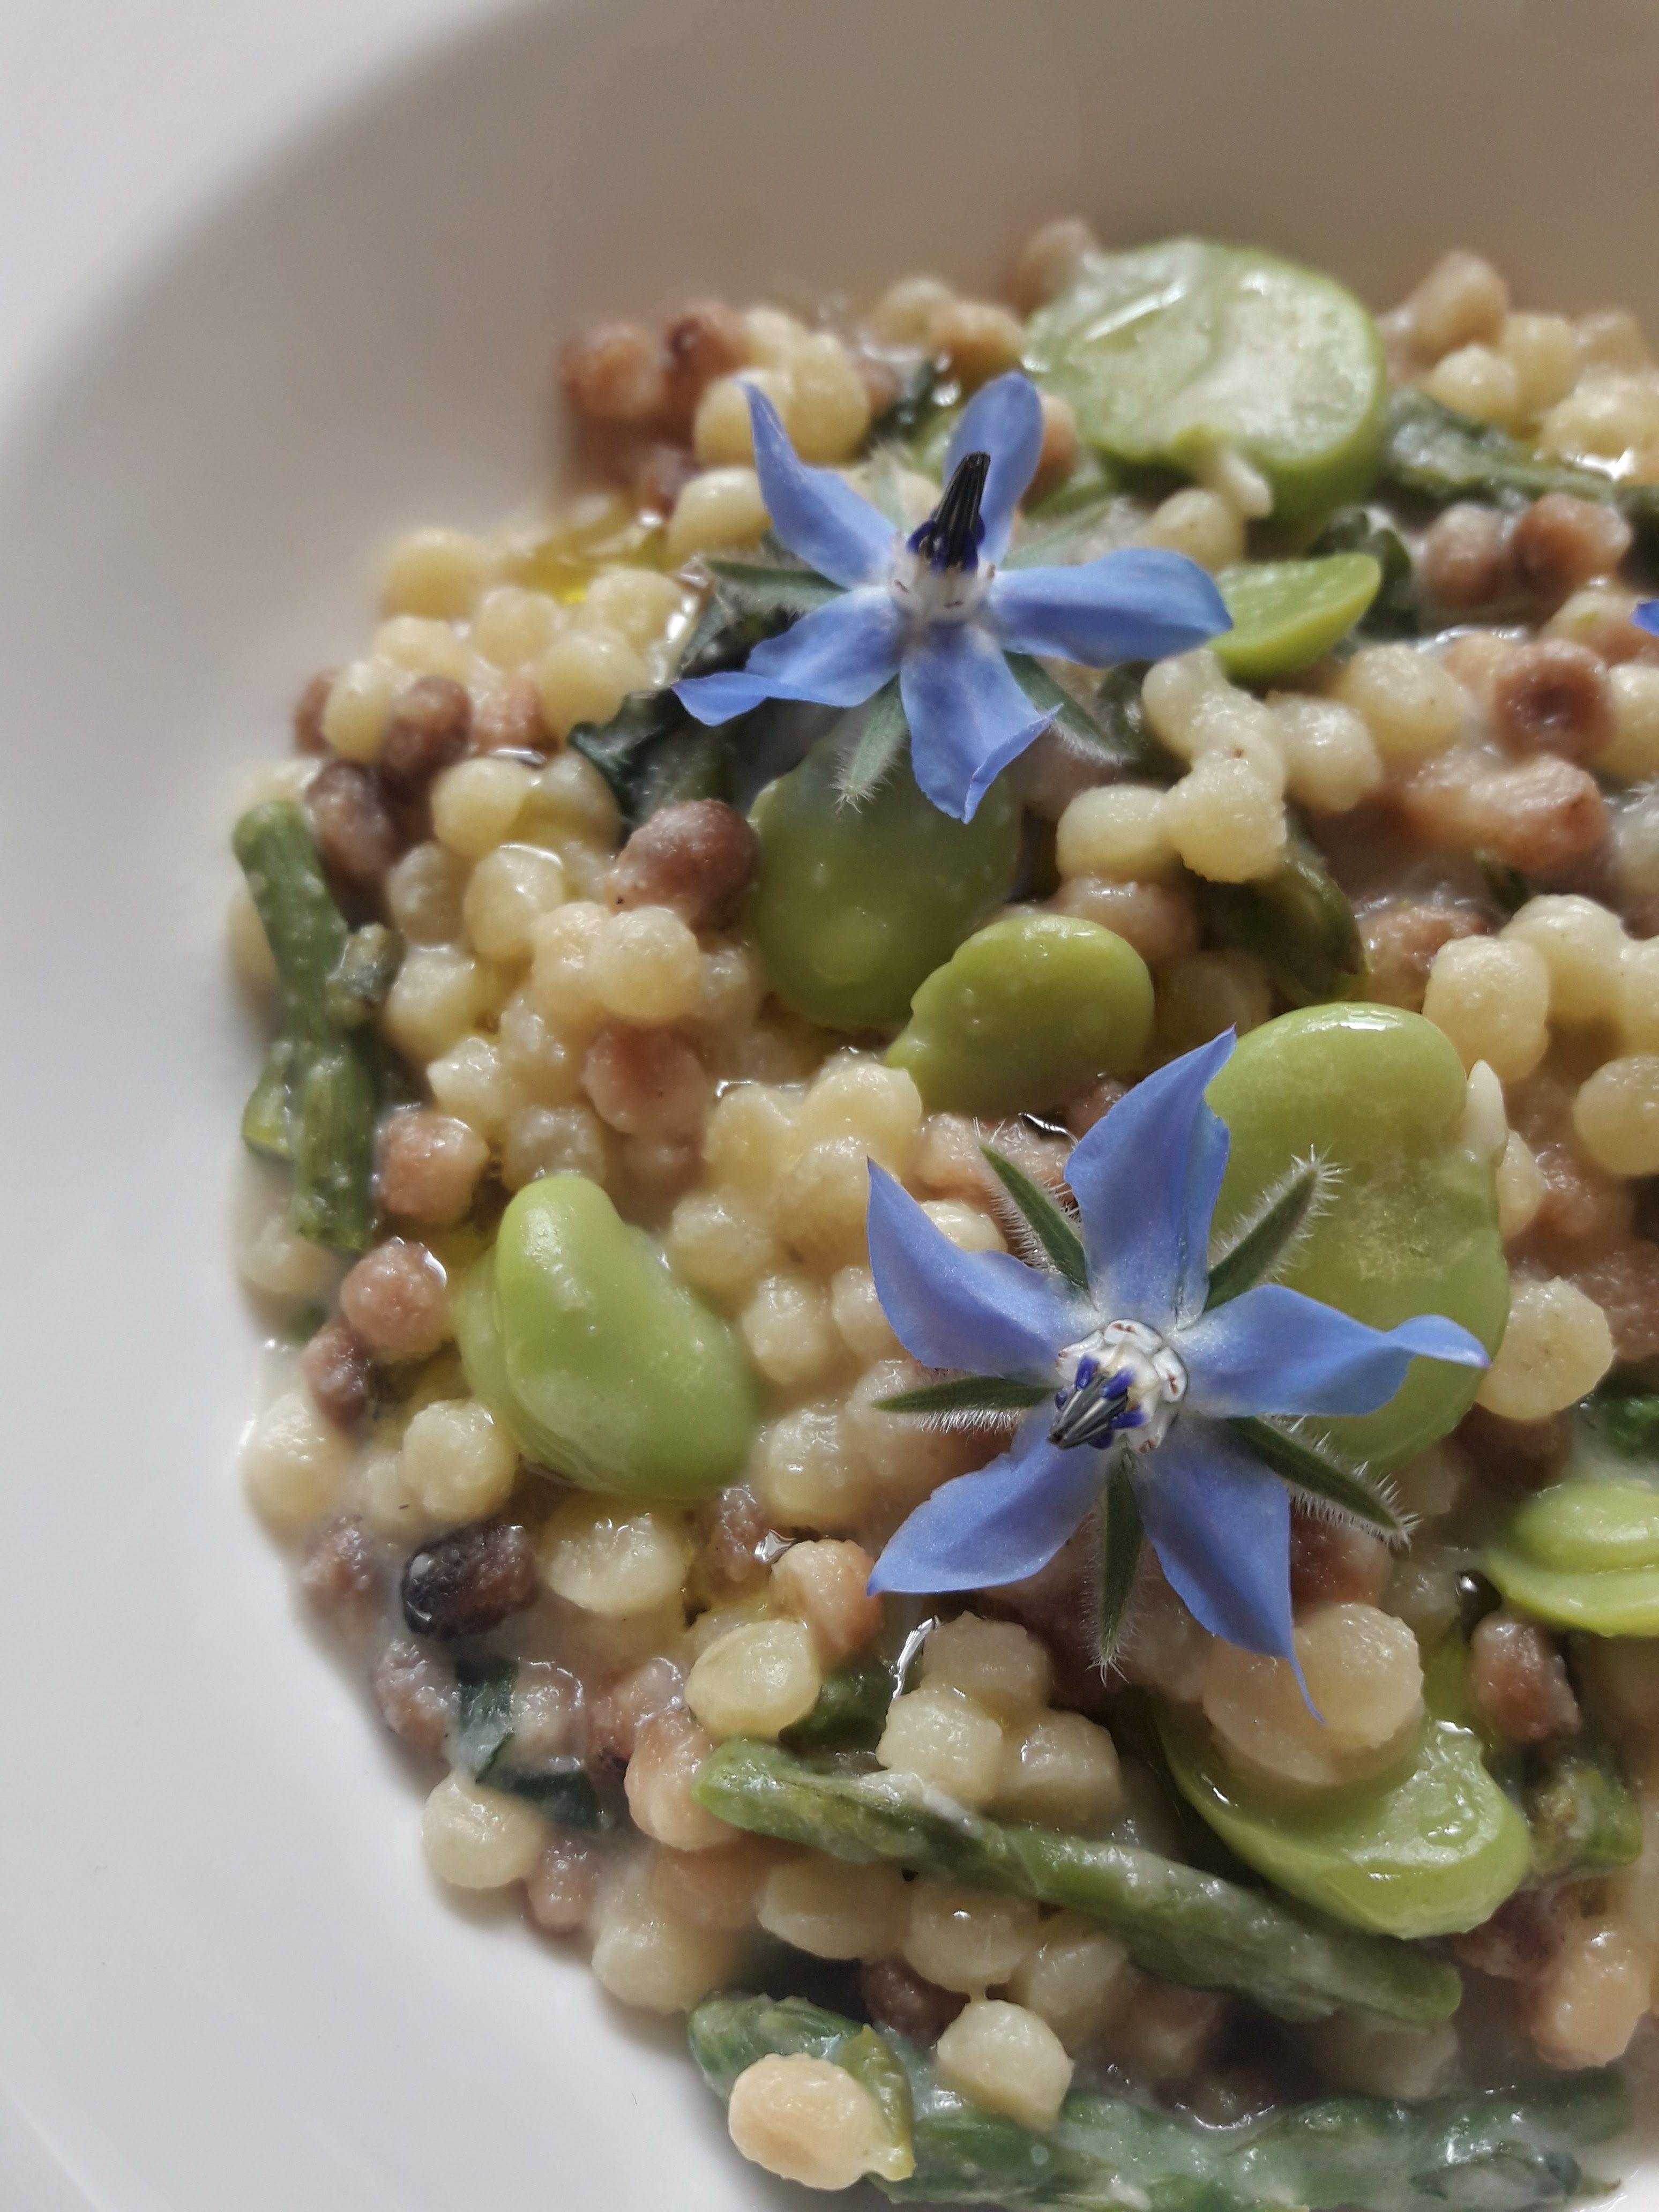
(603, 1365)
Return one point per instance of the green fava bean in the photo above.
(854, 905)
(1430, 1847)
(1583, 1552)
(1287, 613)
(577, 1334)
(1411, 1222)
(1176, 353)
(1028, 1011)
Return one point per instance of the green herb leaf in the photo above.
(561, 1791)
(1059, 528)
(1069, 716)
(1441, 456)
(1044, 1217)
(877, 744)
(1121, 1537)
(769, 588)
(967, 1393)
(1259, 1249)
(1303, 1466)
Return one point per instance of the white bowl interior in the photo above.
(228, 1979)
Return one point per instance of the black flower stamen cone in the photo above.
(950, 537)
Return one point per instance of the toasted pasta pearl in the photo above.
(947, 1739)
(804, 2119)
(459, 1466)
(1007, 2060)
(756, 1681)
(1634, 753)
(1000, 1665)
(1225, 822)
(475, 803)
(647, 1956)
(966, 1939)
(644, 966)
(478, 1838)
(435, 573)
(1491, 998)
(1201, 524)
(1412, 706)
(719, 508)
(835, 1911)
(1557, 1348)
(1581, 945)
(293, 1463)
(1119, 830)
(614, 1558)
(1616, 1115)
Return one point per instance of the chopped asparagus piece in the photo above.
(1499, 2150)
(1584, 1818)
(1297, 922)
(851, 1711)
(318, 1094)
(1174, 1921)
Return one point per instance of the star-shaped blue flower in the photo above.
(1138, 1379)
(935, 609)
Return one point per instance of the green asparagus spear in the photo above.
(317, 1097)
(1177, 1923)
(1502, 2151)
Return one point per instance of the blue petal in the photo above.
(1273, 1351)
(1220, 1524)
(818, 517)
(1145, 1180)
(839, 655)
(997, 1526)
(968, 717)
(1136, 604)
(1646, 617)
(1004, 419)
(984, 1311)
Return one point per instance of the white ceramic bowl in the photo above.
(226, 1983)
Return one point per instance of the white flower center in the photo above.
(926, 594)
(1121, 1384)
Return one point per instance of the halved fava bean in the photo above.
(1583, 1553)
(1430, 1846)
(1180, 352)
(1287, 613)
(576, 1332)
(1379, 1094)
(853, 906)
(1025, 1014)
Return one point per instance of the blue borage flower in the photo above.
(1646, 616)
(1127, 1379)
(935, 609)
